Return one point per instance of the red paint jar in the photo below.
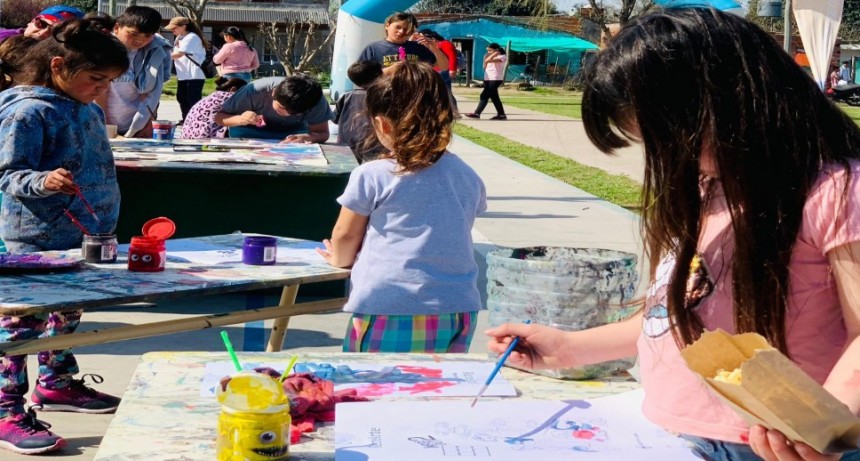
(148, 253)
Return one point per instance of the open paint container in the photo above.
(147, 253)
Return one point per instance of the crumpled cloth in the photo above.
(312, 399)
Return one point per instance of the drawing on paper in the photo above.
(608, 428)
(448, 379)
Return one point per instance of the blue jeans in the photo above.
(717, 450)
(246, 76)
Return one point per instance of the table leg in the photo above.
(279, 327)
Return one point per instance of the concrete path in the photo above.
(526, 208)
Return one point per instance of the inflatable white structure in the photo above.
(359, 23)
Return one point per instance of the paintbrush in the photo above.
(76, 222)
(498, 366)
(86, 203)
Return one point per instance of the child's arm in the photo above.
(346, 238)
(20, 156)
(844, 380)
(546, 347)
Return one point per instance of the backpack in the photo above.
(208, 66)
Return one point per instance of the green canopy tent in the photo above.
(532, 44)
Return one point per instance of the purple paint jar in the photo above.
(259, 250)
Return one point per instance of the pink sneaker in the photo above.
(27, 435)
(76, 397)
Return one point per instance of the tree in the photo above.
(191, 9)
(17, 13)
(491, 7)
(283, 38)
(604, 15)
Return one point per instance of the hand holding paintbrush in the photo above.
(60, 180)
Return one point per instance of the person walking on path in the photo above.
(494, 68)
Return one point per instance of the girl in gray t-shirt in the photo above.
(405, 225)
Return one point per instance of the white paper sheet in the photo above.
(188, 251)
(608, 428)
(387, 380)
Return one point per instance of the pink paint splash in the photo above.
(401, 53)
(423, 371)
(434, 387)
(376, 389)
(584, 434)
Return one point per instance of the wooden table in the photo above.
(99, 285)
(163, 418)
(219, 198)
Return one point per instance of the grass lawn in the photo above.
(853, 112)
(554, 101)
(169, 89)
(616, 189)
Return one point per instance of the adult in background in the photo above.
(237, 57)
(399, 27)
(450, 52)
(40, 26)
(845, 72)
(293, 109)
(188, 54)
(494, 68)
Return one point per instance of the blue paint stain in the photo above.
(549, 423)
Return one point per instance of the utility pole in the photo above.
(786, 18)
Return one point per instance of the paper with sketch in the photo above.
(607, 428)
(387, 380)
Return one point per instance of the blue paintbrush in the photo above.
(498, 367)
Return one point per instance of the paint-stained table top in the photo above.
(95, 285)
(340, 160)
(163, 417)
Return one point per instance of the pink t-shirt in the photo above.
(493, 70)
(236, 57)
(676, 398)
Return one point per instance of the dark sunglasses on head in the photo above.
(40, 23)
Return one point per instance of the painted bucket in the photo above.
(567, 288)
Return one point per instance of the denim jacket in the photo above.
(42, 130)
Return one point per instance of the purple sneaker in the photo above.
(27, 435)
(76, 397)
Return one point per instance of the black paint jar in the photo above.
(99, 248)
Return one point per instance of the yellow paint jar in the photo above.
(254, 424)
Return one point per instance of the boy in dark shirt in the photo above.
(354, 127)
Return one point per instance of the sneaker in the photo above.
(27, 435)
(473, 115)
(76, 397)
(499, 117)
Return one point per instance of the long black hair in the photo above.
(693, 81)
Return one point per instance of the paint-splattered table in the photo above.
(97, 285)
(163, 417)
(221, 197)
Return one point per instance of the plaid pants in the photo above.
(410, 333)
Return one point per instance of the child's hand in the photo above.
(539, 347)
(60, 180)
(303, 138)
(428, 42)
(327, 252)
(773, 446)
(250, 117)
